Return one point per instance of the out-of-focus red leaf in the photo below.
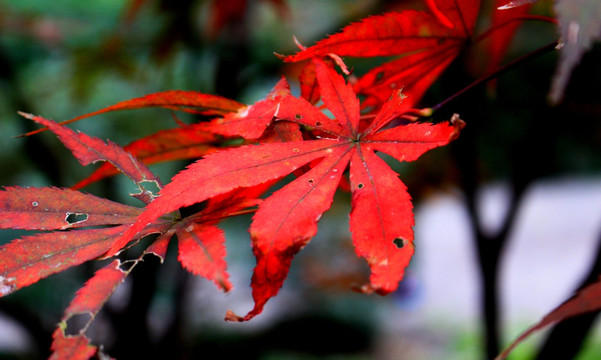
(288, 218)
(53, 208)
(413, 74)
(504, 26)
(88, 149)
(188, 142)
(189, 101)
(251, 121)
(586, 300)
(224, 13)
(429, 42)
(382, 35)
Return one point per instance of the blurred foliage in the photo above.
(64, 58)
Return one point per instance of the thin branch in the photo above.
(500, 71)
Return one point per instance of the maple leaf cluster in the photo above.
(279, 135)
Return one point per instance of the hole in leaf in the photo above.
(359, 186)
(74, 218)
(318, 123)
(399, 242)
(77, 323)
(150, 185)
(126, 265)
(34, 203)
(298, 116)
(311, 181)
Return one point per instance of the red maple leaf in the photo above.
(428, 41)
(381, 218)
(195, 140)
(185, 142)
(73, 219)
(188, 101)
(88, 301)
(69, 214)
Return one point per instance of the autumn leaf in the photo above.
(186, 142)
(586, 300)
(88, 149)
(503, 27)
(201, 244)
(88, 301)
(31, 258)
(72, 343)
(428, 41)
(76, 215)
(53, 208)
(71, 347)
(187, 101)
(250, 121)
(287, 219)
(195, 140)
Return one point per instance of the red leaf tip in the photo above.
(298, 43)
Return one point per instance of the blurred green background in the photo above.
(64, 58)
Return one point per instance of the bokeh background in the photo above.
(523, 173)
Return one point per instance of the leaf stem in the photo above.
(503, 69)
